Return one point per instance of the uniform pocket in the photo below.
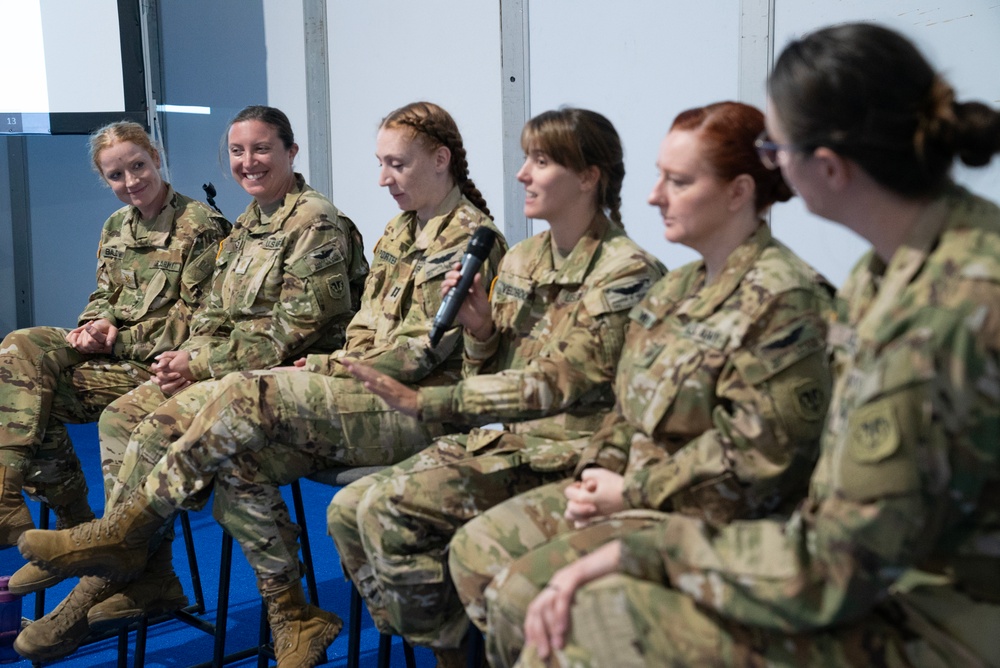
(892, 418)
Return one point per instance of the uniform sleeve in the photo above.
(409, 357)
(910, 476)
(563, 374)
(609, 446)
(210, 317)
(99, 302)
(152, 336)
(771, 399)
(310, 298)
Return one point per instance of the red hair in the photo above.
(727, 131)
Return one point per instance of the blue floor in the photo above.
(174, 644)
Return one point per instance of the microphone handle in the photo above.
(447, 311)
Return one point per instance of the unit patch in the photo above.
(874, 434)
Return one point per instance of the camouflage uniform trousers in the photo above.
(523, 555)
(392, 530)
(489, 543)
(44, 384)
(625, 622)
(250, 433)
(115, 427)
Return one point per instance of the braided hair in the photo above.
(433, 127)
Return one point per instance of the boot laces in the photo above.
(96, 530)
(79, 600)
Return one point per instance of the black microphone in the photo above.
(477, 251)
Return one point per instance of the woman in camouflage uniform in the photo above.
(540, 356)
(287, 281)
(721, 390)
(250, 433)
(154, 266)
(892, 560)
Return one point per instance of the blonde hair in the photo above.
(115, 133)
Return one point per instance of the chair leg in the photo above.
(384, 650)
(477, 647)
(222, 610)
(123, 648)
(140, 641)
(354, 630)
(43, 523)
(199, 594)
(300, 519)
(408, 656)
(266, 650)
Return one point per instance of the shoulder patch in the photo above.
(337, 287)
(874, 434)
(810, 400)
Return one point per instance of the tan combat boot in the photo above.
(14, 516)
(156, 592)
(32, 577)
(302, 632)
(69, 515)
(61, 631)
(114, 547)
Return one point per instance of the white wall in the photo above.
(639, 62)
(284, 41)
(387, 53)
(961, 38)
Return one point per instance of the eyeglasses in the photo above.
(767, 150)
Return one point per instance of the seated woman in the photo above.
(250, 433)
(540, 355)
(287, 281)
(154, 267)
(721, 390)
(892, 558)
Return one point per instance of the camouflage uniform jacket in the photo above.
(557, 340)
(152, 275)
(281, 287)
(904, 506)
(391, 330)
(722, 388)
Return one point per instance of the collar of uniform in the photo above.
(904, 264)
(251, 217)
(137, 234)
(708, 299)
(576, 265)
(437, 222)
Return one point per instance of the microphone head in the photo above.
(481, 242)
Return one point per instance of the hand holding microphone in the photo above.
(475, 254)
